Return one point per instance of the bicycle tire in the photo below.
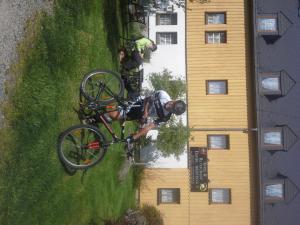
(69, 170)
(81, 146)
(89, 86)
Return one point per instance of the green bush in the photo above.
(152, 214)
(138, 175)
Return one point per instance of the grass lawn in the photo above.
(81, 35)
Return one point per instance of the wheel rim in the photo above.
(82, 147)
(93, 86)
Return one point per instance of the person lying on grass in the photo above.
(136, 54)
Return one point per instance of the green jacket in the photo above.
(142, 43)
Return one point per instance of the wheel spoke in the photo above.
(82, 146)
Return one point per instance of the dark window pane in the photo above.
(273, 138)
(166, 19)
(215, 37)
(220, 196)
(216, 87)
(218, 141)
(215, 18)
(271, 84)
(274, 190)
(267, 24)
(166, 38)
(168, 195)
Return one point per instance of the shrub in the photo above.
(152, 215)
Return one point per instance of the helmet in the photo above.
(153, 47)
(179, 107)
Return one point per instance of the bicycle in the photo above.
(83, 146)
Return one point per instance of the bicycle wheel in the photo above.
(81, 146)
(102, 86)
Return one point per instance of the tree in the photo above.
(172, 138)
(175, 87)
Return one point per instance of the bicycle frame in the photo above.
(96, 107)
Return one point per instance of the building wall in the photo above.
(174, 214)
(282, 53)
(172, 56)
(216, 114)
(229, 61)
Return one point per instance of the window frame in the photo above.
(271, 146)
(210, 201)
(269, 199)
(157, 19)
(226, 87)
(176, 192)
(270, 75)
(172, 33)
(221, 12)
(227, 142)
(216, 31)
(267, 16)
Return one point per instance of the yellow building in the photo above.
(219, 190)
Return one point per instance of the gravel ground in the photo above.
(13, 16)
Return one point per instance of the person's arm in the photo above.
(143, 131)
(146, 107)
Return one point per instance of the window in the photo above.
(166, 19)
(218, 141)
(215, 37)
(279, 138)
(267, 24)
(166, 38)
(270, 84)
(215, 18)
(216, 87)
(219, 196)
(273, 138)
(168, 196)
(274, 191)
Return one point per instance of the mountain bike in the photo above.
(84, 145)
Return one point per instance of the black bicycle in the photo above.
(83, 146)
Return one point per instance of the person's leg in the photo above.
(136, 113)
(114, 115)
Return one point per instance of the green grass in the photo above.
(81, 35)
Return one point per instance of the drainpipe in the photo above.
(244, 130)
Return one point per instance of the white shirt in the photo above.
(163, 97)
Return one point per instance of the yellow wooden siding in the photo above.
(230, 61)
(174, 214)
(226, 169)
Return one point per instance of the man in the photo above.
(137, 55)
(158, 106)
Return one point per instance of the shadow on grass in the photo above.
(112, 25)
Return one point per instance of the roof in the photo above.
(278, 54)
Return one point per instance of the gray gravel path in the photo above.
(13, 16)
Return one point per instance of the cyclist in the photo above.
(158, 106)
(137, 54)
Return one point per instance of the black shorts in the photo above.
(136, 112)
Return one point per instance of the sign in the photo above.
(198, 169)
